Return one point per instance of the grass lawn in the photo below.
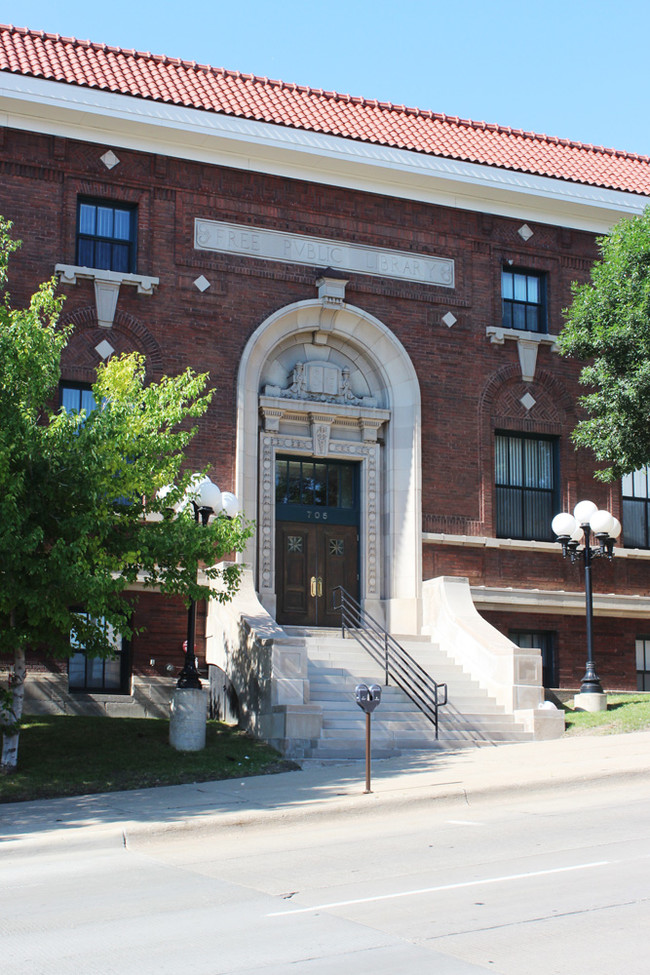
(71, 756)
(625, 712)
(74, 755)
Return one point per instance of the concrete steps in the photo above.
(337, 665)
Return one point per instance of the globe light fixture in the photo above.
(574, 533)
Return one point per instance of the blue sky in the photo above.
(577, 69)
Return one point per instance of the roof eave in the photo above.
(94, 115)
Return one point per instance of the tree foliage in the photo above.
(82, 516)
(608, 325)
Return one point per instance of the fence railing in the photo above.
(398, 665)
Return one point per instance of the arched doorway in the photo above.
(325, 382)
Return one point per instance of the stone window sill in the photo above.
(107, 286)
(527, 345)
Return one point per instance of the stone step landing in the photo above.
(337, 665)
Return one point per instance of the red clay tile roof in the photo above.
(160, 78)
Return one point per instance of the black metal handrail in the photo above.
(427, 694)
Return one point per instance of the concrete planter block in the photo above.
(187, 721)
(590, 702)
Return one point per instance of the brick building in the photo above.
(376, 293)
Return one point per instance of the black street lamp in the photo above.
(207, 500)
(571, 531)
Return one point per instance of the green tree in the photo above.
(82, 511)
(608, 325)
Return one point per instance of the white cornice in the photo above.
(485, 541)
(558, 602)
(97, 116)
(518, 544)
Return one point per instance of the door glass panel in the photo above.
(307, 483)
(281, 482)
(294, 543)
(346, 498)
(337, 546)
(293, 488)
(333, 486)
(320, 484)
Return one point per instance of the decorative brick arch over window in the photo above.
(355, 348)
(85, 351)
(541, 408)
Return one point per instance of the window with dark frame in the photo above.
(75, 397)
(642, 647)
(106, 235)
(525, 485)
(544, 640)
(318, 484)
(88, 674)
(523, 300)
(635, 490)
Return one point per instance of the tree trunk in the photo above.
(10, 716)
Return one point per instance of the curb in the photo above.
(120, 834)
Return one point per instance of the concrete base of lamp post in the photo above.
(590, 702)
(187, 719)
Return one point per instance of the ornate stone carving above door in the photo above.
(324, 382)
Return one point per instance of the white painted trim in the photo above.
(484, 541)
(145, 283)
(558, 602)
(107, 287)
(497, 336)
(122, 120)
(520, 544)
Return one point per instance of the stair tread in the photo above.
(337, 665)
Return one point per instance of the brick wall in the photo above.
(469, 387)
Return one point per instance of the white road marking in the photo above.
(462, 822)
(435, 890)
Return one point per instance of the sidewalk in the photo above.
(466, 775)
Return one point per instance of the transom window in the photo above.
(636, 509)
(318, 490)
(523, 300)
(643, 663)
(525, 483)
(544, 640)
(106, 235)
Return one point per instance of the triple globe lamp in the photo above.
(574, 533)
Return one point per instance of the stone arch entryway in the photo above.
(325, 380)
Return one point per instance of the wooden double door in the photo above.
(312, 559)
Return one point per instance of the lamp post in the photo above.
(574, 533)
(188, 708)
(207, 500)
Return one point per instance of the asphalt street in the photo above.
(453, 865)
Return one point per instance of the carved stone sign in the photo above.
(273, 245)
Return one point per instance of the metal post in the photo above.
(590, 682)
(386, 659)
(367, 789)
(189, 675)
